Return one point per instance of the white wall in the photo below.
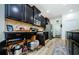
(56, 26)
(2, 22)
(69, 22)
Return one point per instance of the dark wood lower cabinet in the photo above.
(73, 42)
(75, 49)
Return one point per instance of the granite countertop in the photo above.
(77, 31)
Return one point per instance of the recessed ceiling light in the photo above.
(48, 11)
(70, 10)
(65, 4)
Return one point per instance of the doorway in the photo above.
(57, 27)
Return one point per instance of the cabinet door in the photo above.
(15, 11)
(36, 11)
(43, 21)
(37, 20)
(6, 11)
(76, 37)
(46, 20)
(28, 14)
(75, 49)
(70, 47)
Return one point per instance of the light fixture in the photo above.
(65, 4)
(70, 16)
(70, 10)
(48, 11)
(15, 9)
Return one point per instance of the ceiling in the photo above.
(54, 10)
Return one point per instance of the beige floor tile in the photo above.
(50, 47)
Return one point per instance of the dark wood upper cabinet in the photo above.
(43, 22)
(37, 20)
(29, 14)
(20, 12)
(46, 20)
(6, 11)
(15, 11)
(36, 11)
(25, 13)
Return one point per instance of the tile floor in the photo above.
(55, 46)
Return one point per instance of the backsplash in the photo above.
(17, 24)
